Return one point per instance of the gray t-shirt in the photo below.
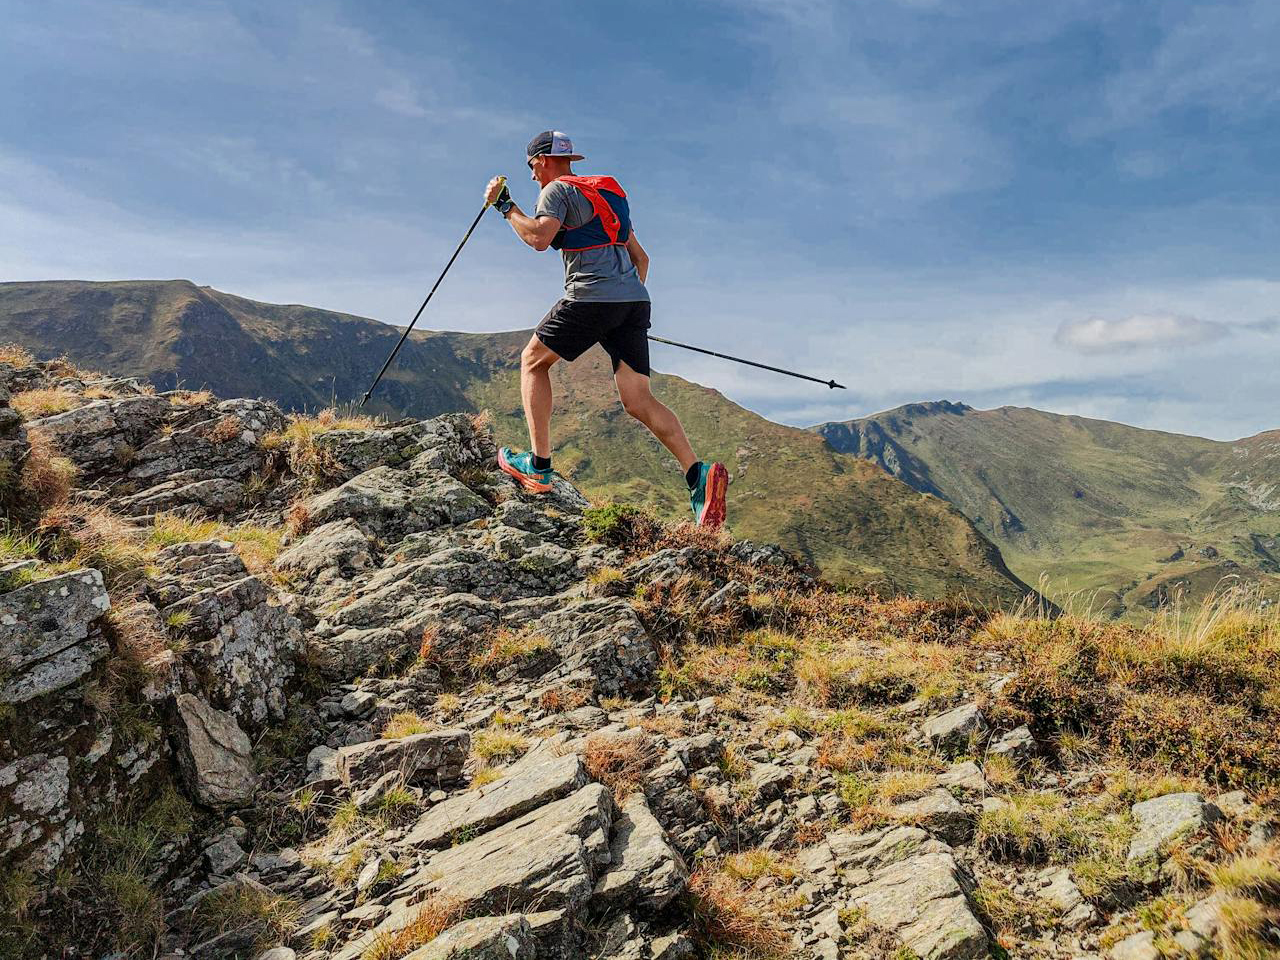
(602, 275)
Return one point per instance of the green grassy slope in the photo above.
(1094, 506)
(790, 487)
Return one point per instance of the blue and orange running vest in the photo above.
(611, 225)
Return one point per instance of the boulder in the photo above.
(35, 810)
(1018, 745)
(953, 732)
(601, 642)
(547, 858)
(923, 901)
(390, 504)
(214, 753)
(45, 641)
(435, 757)
(965, 776)
(213, 496)
(1138, 946)
(97, 435)
(938, 812)
(484, 808)
(1165, 820)
(644, 871)
(209, 441)
(871, 850)
(507, 937)
(325, 561)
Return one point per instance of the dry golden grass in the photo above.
(225, 430)
(257, 545)
(137, 633)
(270, 918)
(306, 457)
(728, 915)
(496, 743)
(436, 915)
(44, 402)
(16, 356)
(507, 647)
(191, 398)
(405, 724)
(619, 762)
(752, 865)
(561, 699)
(1192, 694)
(46, 478)
(92, 536)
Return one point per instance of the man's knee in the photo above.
(536, 356)
(638, 404)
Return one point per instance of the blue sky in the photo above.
(1071, 206)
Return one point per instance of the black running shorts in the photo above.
(572, 327)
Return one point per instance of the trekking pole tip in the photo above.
(836, 386)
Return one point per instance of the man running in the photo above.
(605, 301)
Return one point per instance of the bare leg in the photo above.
(639, 402)
(536, 362)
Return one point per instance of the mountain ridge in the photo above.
(1095, 505)
(861, 525)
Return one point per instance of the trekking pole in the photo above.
(750, 363)
(368, 393)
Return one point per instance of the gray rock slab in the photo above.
(1164, 820)
(1018, 745)
(494, 804)
(484, 938)
(644, 870)
(548, 858)
(436, 757)
(873, 849)
(923, 901)
(966, 776)
(392, 503)
(952, 732)
(214, 753)
(938, 812)
(44, 634)
(1139, 946)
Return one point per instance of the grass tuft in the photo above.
(619, 762)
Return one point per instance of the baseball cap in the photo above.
(552, 143)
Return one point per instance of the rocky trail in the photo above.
(277, 687)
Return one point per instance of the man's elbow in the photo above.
(539, 244)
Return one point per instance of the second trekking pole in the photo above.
(368, 393)
(750, 363)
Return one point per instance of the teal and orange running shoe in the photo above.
(707, 496)
(520, 466)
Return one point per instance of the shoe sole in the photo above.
(526, 481)
(713, 510)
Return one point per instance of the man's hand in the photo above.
(497, 191)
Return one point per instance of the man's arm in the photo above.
(638, 257)
(536, 232)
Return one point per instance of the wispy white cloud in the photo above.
(401, 98)
(1099, 335)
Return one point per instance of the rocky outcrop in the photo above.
(442, 722)
(243, 641)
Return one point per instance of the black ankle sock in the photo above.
(541, 463)
(691, 475)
